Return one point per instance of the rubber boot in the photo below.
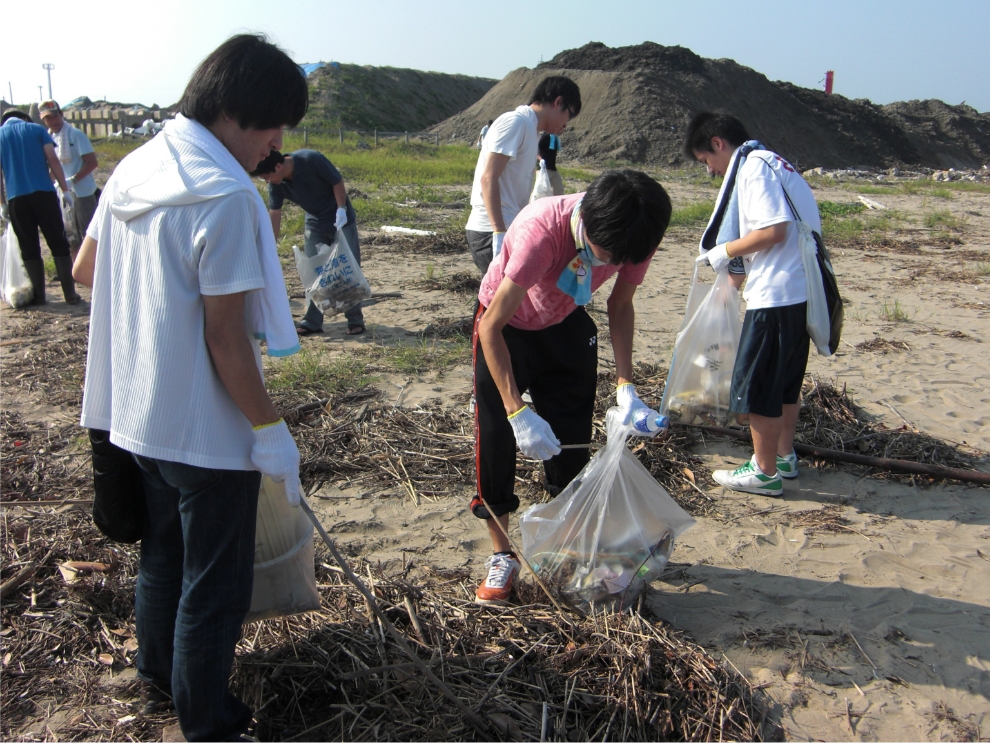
(36, 272)
(64, 266)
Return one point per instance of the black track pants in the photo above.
(559, 367)
(37, 210)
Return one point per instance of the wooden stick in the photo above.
(882, 463)
(476, 722)
(24, 574)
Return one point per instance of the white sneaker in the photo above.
(787, 466)
(750, 479)
(502, 569)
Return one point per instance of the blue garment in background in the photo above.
(22, 157)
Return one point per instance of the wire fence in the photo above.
(373, 134)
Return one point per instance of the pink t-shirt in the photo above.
(537, 248)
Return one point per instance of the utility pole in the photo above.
(48, 67)
(40, 96)
(10, 89)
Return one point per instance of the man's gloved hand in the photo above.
(341, 219)
(533, 434)
(645, 420)
(67, 196)
(497, 238)
(71, 185)
(275, 454)
(718, 258)
(5, 211)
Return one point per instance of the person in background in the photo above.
(503, 177)
(484, 131)
(763, 196)
(549, 147)
(186, 279)
(28, 164)
(309, 179)
(532, 332)
(78, 159)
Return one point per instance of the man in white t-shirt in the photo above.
(186, 279)
(762, 199)
(503, 177)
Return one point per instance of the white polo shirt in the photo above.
(150, 379)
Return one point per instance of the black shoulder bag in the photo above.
(118, 506)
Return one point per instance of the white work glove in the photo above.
(341, 219)
(5, 211)
(71, 184)
(533, 434)
(718, 258)
(67, 196)
(497, 239)
(635, 411)
(275, 454)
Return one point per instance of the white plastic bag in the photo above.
(332, 278)
(697, 390)
(15, 286)
(284, 568)
(543, 186)
(609, 533)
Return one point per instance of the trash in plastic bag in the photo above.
(543, 187)
(333, 279)
(284, 554)
(15, 286)
(697, 390)
(609, 533)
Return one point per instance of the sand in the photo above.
(878, 629)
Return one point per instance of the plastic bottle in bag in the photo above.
(648, 421)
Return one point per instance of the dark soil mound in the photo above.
(637, 101)
(387, 98)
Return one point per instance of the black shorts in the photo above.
(480, 245)
(772, 358)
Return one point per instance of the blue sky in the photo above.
(880, 49)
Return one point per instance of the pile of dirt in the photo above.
(387, 98)
(637, 101)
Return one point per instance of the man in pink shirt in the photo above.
(532, 332)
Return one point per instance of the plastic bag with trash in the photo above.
(609, 533)
(15, 286)
(333, 279)
(284, 554)
(542, 187)
(697, 390)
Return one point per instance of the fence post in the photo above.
(376, 137)
(407, 137)
(438, 140)
(341, 136)
(305, 135)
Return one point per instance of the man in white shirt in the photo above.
(503, 177)
(186, 277)
(764, 198)
(78, 159)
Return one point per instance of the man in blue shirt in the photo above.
(309, 179)
(27, 154)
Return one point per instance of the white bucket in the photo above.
(284, 572)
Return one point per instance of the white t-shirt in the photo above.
(150, 379)
(513, 134)
(79, 145)
(774, 277)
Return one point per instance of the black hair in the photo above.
(710, 124)
(268, 164)
(557, 86)
(250, 80)
(626, 213)
(14, 113)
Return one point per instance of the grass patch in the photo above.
(943, 219)
(836, 209)
(983, 268)
(577, 174)
(316, 372)
(692, 214)
(424, 355)
(863, 225)
(894, 312)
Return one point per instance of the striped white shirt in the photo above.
(150, 379)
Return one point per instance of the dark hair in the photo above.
(268, 164)
(558, 86)
(250, 80)
(710, 124)
(626, 213)
(14, 113)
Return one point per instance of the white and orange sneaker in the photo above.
(502, 570)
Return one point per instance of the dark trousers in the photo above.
(34, 211)
(559, 366)
(194, 589)
(480, 246)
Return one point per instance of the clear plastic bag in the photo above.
(609, 533)
(333, 279)
(697, 390)
(284, 554)
(543, 187)
(15, 286)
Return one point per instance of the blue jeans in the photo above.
(313, 318)
(194, 590)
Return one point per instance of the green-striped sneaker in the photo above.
(750, 479)
(788, 466)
